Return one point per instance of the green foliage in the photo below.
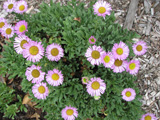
(6, 96)
(10, 111)
(8, 106)
(56, 24)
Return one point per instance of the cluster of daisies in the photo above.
(116, 58)
(15, 6)
(34, 51)
(96, 87)
(7, 30)
(35, 75)
(116, 61)
(31, 50)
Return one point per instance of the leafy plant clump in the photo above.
(71, 27)
(10, 104)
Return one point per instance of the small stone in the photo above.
(145, 75)
(158, 80)
(153, 93)
(149, 82)
(3, 14)
(158, 94)
(149, 102)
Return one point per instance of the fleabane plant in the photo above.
(75, 62)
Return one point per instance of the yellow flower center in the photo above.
(34, 50)
(119, 51)
(95, 54)
(54, 51)
(92, 40)
(55, 76)
(148, 117)
(35, 73)
(95, 85)
(139, 48)
(22, 28)
(41, 89)
(102, 10)
(22, 43)
(128, 93)
(118, 62)
(10, 6)
(106, 59)
(21, 8)
(8, 31)
(2, 24)
(132, 66)
(69, 112)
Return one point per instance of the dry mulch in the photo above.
(147, 25)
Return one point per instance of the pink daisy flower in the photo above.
(96, 86)
(120, 51)
(35, 74)
(40, 90)
(94, 54)
(102, 8)
(9, 5)
(92, 40)
(119, 66)
(3, 22)
(54, 52)
(19, 42)
(133, 67)
(7, 31)
(69, 113)
(148, 116)
(107, 59)
(85, 80)
(21, 6)
(128, 94)
(140, 48)
(33, 51)
(21, 27)
(54, 77)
